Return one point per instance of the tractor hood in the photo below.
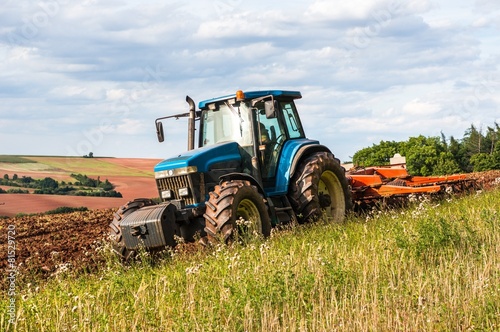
(202, 158)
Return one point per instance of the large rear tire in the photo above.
(319, 185)
(115, 232)
(236, 205)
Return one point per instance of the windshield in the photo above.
(229, 123)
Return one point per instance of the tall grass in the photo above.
(434, 267)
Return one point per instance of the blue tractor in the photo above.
(253, 169)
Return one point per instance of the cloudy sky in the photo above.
(82, 76)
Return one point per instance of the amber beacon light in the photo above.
(240, 95)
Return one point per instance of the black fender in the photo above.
(305, 152)
(242, 176)
(253, 181)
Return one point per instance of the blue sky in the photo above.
(82, 76)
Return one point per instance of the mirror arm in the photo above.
(256, 100)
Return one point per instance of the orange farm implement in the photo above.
(372, 184)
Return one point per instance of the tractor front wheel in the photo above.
(319, 185)
(115, 231)
(236, 209)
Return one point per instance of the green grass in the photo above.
(434, 267)
(59, 210)
(14, 159)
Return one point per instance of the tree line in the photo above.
(83, 186)
(478, 150)
(84, 180)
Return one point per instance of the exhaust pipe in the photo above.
(191, 124)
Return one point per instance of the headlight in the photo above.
(183, 192)
(166, 194)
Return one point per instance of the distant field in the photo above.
(14, 159)
(87, 166)
(28, 167)
(91, 166)
(132, 177)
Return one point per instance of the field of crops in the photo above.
(68, 165)
(14, 159)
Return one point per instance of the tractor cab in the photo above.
(260, 122)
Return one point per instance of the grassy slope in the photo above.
(90, 166)
(423, 269)
(67, 165)
(14, 159)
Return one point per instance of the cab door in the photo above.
(272, 133)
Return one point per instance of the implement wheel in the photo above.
(237, 206)
(319, 185)
(115, 231)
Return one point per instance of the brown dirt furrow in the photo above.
(486, 180)
(13, 204)
(46, 244)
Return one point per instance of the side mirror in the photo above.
(270, 110)
(159, 131)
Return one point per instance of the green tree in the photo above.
(484, 150)
(482, 162)
(492, 138)
(438, 155)
(106, 185)
(486, 161)
(26, 179)
(48, 183)
(446, 165)
(457, 149)
(496, 157)
(377, 155)
(473, 141)
(6, 176)
(422, 154)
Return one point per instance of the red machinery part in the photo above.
(378, 182)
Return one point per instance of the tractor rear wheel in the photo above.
(115, 231)
(319, 185)
(236, 208)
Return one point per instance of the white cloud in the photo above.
(417, 107)
(115, 94)
(126, 127)
(78, 92)
(419, 6)
(482, 22)
(243, 25)
(358, 10)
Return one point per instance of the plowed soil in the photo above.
(46, 245)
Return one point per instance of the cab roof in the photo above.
(251, 95)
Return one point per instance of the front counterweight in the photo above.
(150, 227)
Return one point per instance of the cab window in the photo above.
(291, 118)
